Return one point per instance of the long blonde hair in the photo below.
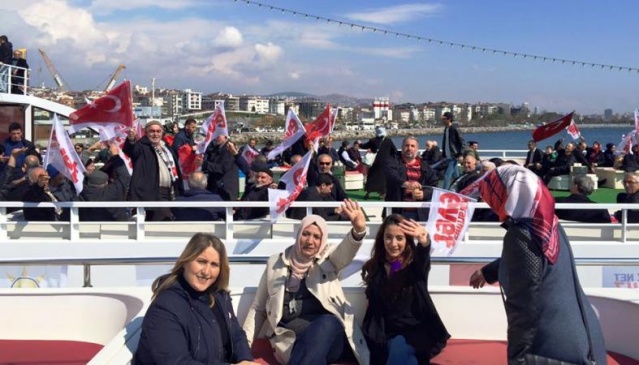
(197, 244)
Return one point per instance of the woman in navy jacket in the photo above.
(191, 318)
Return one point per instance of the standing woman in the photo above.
(548, 314)
(300, 300)
(191, 318)
(401, 324)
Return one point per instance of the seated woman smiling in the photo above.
(191, 318)
(300, 299)
(401, 324)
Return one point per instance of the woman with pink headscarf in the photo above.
(549, 316)
(300, 299)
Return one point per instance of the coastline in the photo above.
(364, 135)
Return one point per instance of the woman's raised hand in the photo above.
(412, 228)
(355, 214)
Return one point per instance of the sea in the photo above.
(518, 140)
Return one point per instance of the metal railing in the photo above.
(138, 218)
(8, 79)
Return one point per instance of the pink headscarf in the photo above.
(516, 192)
(299, 262)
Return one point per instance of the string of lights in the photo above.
(439, 42)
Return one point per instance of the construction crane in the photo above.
(115, 75)
(54, 72)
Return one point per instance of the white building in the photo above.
(253, 104)
(277, 106)
(191, 100)
(381, 108)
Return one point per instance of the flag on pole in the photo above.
(294, 131)
(249, 154)
(115, 107)
(552, 128)
(573, 131)
(295, 180)
(627, 140)
(448, 220)
(62, 155)
(321, 126)
(215, 125)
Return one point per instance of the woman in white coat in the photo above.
(308, 319)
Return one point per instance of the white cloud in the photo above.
(267, 52)
(108, 6)
(229, 37)
(295, 75)
(397, 14)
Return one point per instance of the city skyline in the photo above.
(233, 47)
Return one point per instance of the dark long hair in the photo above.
(198, 243)
(378, 253)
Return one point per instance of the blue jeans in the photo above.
(400, 353)
(322, 342)
(451, 172)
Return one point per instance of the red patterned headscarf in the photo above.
(516, 192)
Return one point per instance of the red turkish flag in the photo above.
(186, 159)
(322, 125)
(552, 128)
(114, 107)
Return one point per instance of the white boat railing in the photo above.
(7, 79)
(12, 228)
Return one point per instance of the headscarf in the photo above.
(300, 264)
(516, 192)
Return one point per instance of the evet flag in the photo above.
(449, 217)
(552, 128)
(627, 140)
(61, 154)
(573, 131)
(295, 180)
(294, 131)
(249, 154)
(215, 125)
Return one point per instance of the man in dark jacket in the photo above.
(452, 145)
(15, 183)
(257, 192)
(198, 193)
(97, 188)
(220, 166)
(581, 187)
(16, 140)
(324, 165)
(534, 158)
(39, 193)
(185, 136)
(156, 176)
(631, 195)
(409, 179)
(18, 73)
(320, 192)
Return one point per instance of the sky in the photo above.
(232, 47)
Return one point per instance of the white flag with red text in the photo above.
(249, 154)
(449, 217)
(61, 155)
(294, 131)
(215, 125)
(118, 133)
(627, 140)
(295, 180)
(573, 130)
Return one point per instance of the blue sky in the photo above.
(228, 46)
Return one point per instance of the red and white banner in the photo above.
(115, 107)
(249, 154)
(573, 131)
(322, 126)
(627, 140)
(294, 131)
(61, 155)
(186, 160)
(449, 217)
(295, 180)
(552, 128)
(637, 121)
(215, 125)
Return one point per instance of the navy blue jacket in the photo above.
(178, 328)
(199, 214)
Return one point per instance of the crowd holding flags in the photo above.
(62, 155)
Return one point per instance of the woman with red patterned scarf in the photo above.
(548, 314)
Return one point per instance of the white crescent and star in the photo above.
(118, 104)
